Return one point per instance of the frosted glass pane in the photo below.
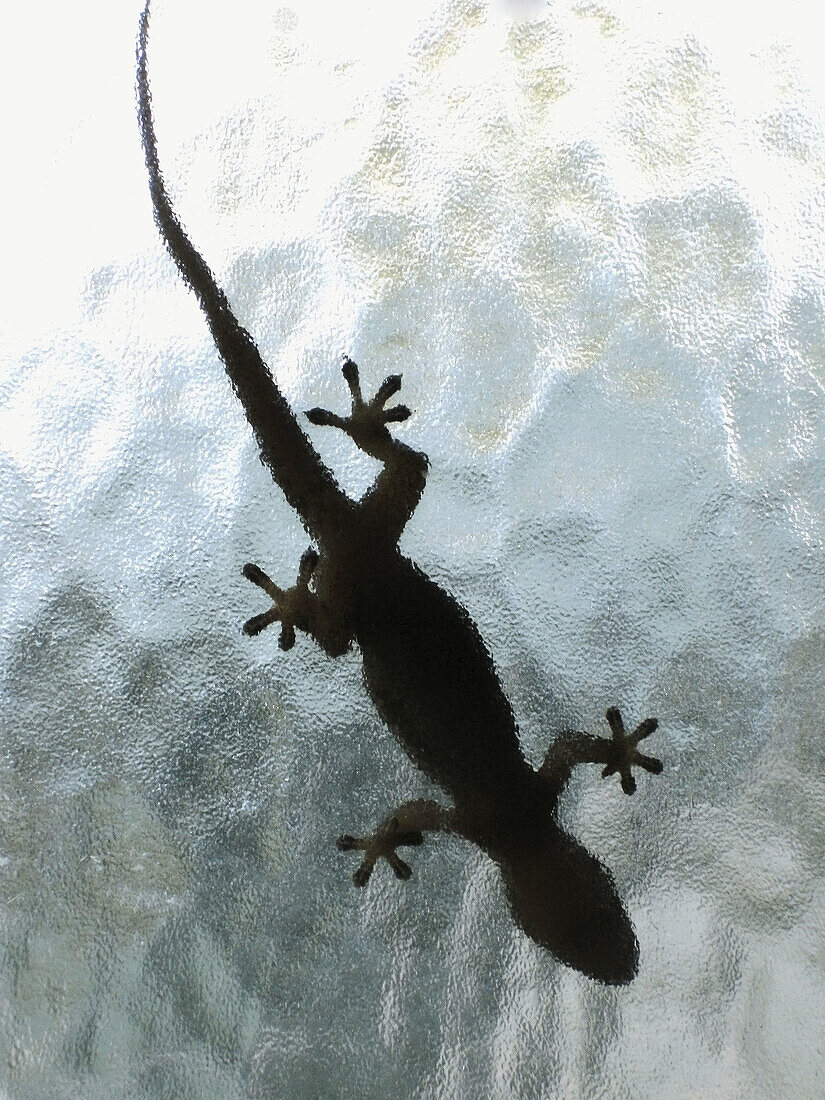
(591, 237)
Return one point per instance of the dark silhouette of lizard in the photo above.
(426, 667)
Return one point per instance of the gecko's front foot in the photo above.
(367, 423)
(622, 751)
(382, 844)
(289, 606)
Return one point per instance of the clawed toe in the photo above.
(384, 392)
(324, 418)
(401, 869)
(351, 376)
(255, 574)
(362, 876)
(396, 414)
(388, 387)
(258, 623)
(650, 764)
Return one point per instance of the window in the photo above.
(590, 235)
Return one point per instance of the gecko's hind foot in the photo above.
(623, 753)
(367, 418)
(382, 844)
(287, 604)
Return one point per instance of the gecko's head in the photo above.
(566, 901)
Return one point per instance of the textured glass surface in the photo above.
(591, 236)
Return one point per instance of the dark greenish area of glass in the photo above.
(589, 236)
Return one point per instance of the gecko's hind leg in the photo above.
(296, 607)
(405, 827)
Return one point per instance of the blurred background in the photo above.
(590, 235)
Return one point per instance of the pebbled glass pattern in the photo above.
(591, 236)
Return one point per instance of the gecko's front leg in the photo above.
(297, 608)
(619, 753)
(405, 827)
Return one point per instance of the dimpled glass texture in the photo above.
(590, 234)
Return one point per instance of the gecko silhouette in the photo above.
(426, 667)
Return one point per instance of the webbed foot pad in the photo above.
(382, 844)
(367, 417)
(623, 754)
(286, 603)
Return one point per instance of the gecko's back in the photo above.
(435, 685)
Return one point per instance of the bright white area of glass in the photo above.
(591, 235)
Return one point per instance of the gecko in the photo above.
(426, 667)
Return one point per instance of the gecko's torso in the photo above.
(433, 682)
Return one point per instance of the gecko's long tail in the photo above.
(296, 467)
